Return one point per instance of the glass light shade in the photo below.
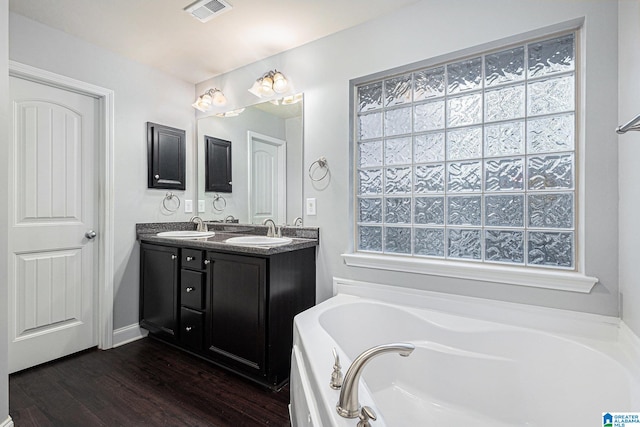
(280, 83)
(201, 104)
(219, 98)
(266, 87)
(255, 89)
(206, 100)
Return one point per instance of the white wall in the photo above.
(322, 70)
(4, 212)
(629, 153)
(141, 94)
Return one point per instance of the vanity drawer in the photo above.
(193, 258)
(192, 289)
(191, 328)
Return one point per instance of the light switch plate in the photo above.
(201, 206)
(188, 206)
(311, 206)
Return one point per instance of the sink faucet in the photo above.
(200, 225)
(348, 405)
(271, 232)
(297, 222)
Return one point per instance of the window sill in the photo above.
(533, 277)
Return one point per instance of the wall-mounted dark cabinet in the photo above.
(166, 151)
(217, 165)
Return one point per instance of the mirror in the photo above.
(266, 162)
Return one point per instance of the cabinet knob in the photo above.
(174, 256)
(207, 261)
(188, 328)
(190, 289)
(190, 258)
(157, 177)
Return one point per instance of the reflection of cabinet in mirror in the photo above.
(276, 119)
(217, 165)
(166, 151)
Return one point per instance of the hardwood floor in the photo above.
(144, 383)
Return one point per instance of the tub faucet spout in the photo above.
(348, 405)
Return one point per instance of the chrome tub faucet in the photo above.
(348, 405)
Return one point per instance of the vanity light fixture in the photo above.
(269, 84)
(208, 99)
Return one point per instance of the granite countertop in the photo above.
(302, 237)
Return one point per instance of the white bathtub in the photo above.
(465, 371)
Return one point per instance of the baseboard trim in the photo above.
(127, 334)
(7, 423)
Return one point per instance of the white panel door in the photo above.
(267, 177)
(53, 257)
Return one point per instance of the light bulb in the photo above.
(280, 83)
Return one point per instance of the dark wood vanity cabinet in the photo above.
(237, 310)
(159, 266)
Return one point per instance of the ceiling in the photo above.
(161, 34)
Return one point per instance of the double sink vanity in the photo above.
(229, 295)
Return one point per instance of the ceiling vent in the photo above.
(204, 10)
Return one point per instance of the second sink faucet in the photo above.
(271, 231)
(348, 405)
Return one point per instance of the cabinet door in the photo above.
(236, 328)
(159, 289)
(191, 322)
(217, 169)
(166, 148)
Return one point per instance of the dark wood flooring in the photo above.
(144, 383)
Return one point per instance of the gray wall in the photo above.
(4, 213)
(629, 143)
(295, 167)
(427, 29)
(141, 94)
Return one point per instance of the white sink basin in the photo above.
(186, 234)
(258, 241)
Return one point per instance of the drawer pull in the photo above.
(190, 289)
(174, 256)
(190, 258)
(188, 328)
(207, 261)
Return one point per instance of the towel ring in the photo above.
(171, 196)
(221, 203)
(321, 164)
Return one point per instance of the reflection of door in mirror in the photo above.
(268, 177)
(217, 165)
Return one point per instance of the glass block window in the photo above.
(472, 160)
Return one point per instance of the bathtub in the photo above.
(468, 368)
